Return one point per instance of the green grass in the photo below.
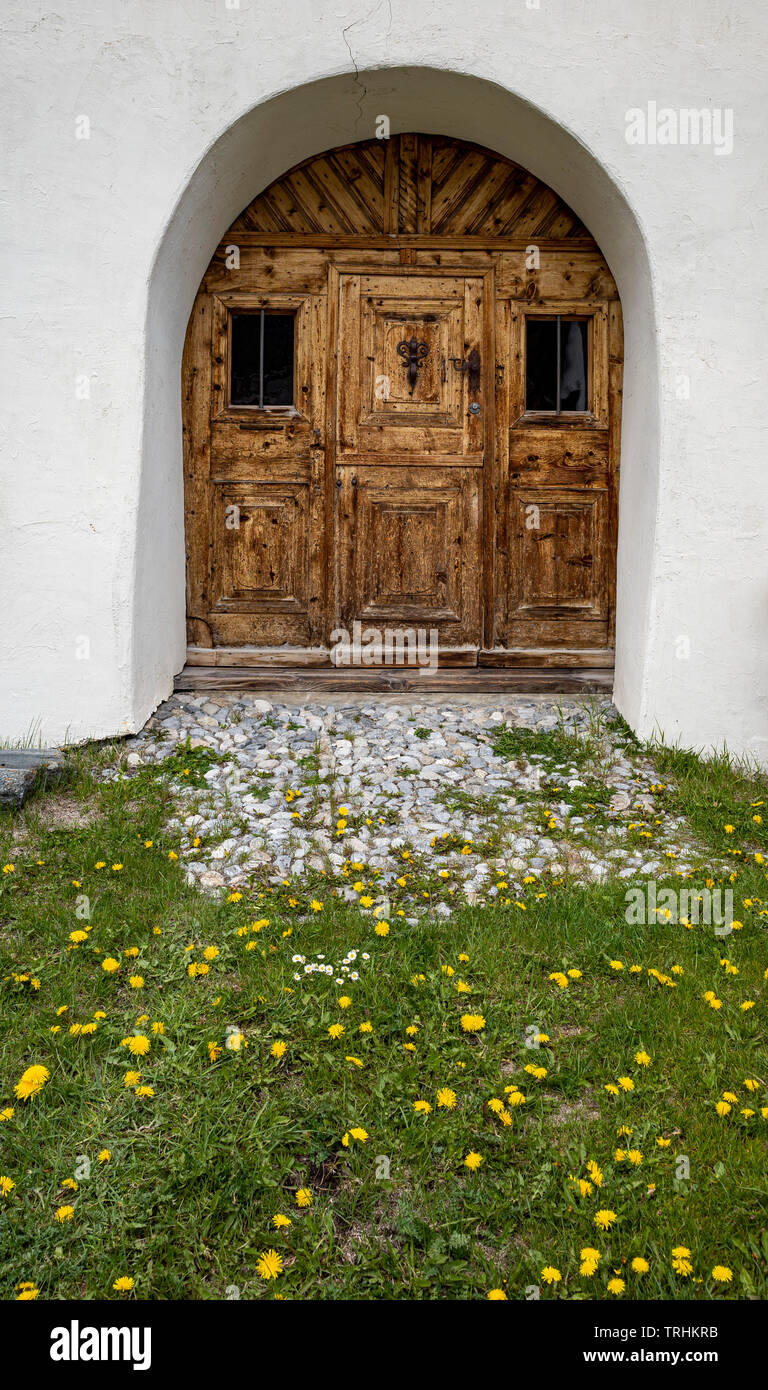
(555, 746)
(197, 1171)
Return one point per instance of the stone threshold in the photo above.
(22, 768)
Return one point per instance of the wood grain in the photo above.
(581, 680)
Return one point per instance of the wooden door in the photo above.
(412, 392)
(557, 479)
(256, 488)
(436, 442)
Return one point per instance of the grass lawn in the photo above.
(201, 1106)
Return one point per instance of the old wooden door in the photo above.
(412, 390)
(402, 403)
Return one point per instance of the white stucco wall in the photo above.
(194, 107)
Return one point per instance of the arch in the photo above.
(427, 185)
(280, 134)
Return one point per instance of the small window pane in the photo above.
(278, 359)
(573, 364)
(246, 339)
(541, 365)
(262, 359)
(543, 391)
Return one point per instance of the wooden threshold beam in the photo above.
(475, 681)
(298, 658)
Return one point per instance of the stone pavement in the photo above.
(309, 787)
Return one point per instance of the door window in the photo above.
(556, 365)
(262, 357)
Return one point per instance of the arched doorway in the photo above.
(401, 399)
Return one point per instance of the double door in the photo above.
(361, 450)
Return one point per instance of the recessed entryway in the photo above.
(401, 395)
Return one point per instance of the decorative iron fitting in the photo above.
(413, 353)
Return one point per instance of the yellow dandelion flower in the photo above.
(32, 1082)
(269, 1264)
(472, 1023)
(604, 1219)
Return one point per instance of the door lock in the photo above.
(471, 367)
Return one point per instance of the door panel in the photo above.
(381, 408)
(409, 549)
(410, 455)
(557, 570)
(267, 563)
(554, 527)
(257, 512)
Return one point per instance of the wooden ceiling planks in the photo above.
(425, 184)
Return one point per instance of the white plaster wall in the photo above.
(194, 107)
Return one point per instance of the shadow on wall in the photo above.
(271, 138)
